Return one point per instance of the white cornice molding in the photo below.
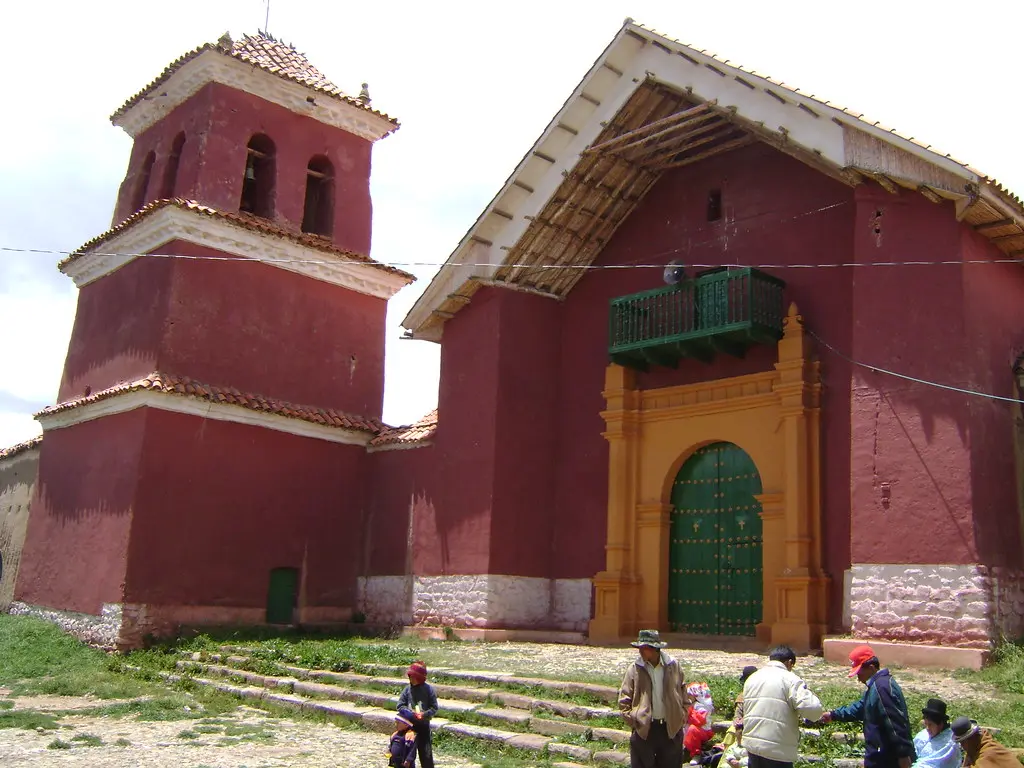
(170, 223)
(399, 446)
(216, 67)
(192, 406)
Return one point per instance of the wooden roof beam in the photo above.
(514, 287)
(990, 225)
(694, 128)
(680, 126)
(718, 130)
(726, 147)
(727, 133)
(645, 129)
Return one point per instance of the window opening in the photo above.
(318, 213)
(142, 182)
(258, 181)
(171, 171)
(714, 205)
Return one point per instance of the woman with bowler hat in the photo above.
(935, 745)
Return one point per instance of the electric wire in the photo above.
(905, 377)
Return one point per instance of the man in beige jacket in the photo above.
(653, 704)
(774, 701)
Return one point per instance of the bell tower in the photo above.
(226, 367)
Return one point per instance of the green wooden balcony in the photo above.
(722, 310)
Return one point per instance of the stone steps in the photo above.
(481, 709)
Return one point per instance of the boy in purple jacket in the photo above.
(402, 749)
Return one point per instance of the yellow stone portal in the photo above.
(773, 416)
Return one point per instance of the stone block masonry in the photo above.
(477, 601)
(102, 630)
(967, 606)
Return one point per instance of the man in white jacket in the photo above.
(774, 702)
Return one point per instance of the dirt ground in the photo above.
(259, 741)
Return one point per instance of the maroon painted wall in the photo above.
(462, 489)
(266, 330)
(523, 520)
(776, 211)
(236, 502)
(218, 122)
(554, 356)
(995, 338)
(488, 507)
(119, 325)
(913, 438)
(238, 323)
(76, 546)
(404, 489)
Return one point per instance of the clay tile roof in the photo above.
(269, 54)
(241, 219)
(418, 432)
(183, 386)
(14, 450)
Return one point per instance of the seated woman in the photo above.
(935, 745)
(733, 734)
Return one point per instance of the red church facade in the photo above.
(743, 463)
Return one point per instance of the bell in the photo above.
(250, 172)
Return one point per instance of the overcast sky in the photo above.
(473, 84)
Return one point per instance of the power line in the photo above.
(585, 267)
(905, 377)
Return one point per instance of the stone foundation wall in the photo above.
(1009, 589)
(479, 601)
(969, 606)
(102, 630)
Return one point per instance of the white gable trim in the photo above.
(169, 223)
(633, 56)
(212, 66)
(192, 406)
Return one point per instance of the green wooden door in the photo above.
(715, 583)
(282, 595)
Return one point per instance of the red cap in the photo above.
(858, 656)
(418, 670)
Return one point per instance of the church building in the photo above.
(719, 358)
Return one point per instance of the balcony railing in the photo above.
(726, 310)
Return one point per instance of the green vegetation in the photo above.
(28, 720)
(87, 740)
(36, 658)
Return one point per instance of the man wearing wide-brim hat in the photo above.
(653, 703)
(981, 749)
(934, 744)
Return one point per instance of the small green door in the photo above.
(715, 582)
(282, 595)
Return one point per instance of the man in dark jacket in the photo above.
(888, 742)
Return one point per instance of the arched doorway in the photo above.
(715, 552)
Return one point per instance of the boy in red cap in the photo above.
(417, 704)
(888, 741)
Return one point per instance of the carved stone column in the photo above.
(773, 535)
(652, 551)
(615, 586)
(800, 588)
